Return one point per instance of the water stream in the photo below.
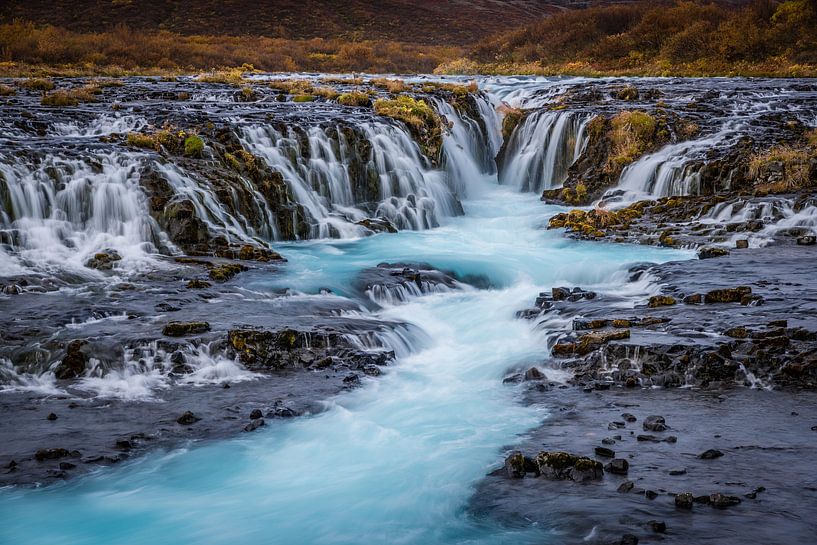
(392, 462)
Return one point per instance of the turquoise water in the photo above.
(392, 462)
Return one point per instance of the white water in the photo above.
(542, 148)
(62, 211)
(393, 462)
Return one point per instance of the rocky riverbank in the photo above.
(204, 360)
(687, 417)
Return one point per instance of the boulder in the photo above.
(655, 423)
(708, 252)
(728, 295)
(187, 418)
(684, 500)
(180, 329)
(73, 363)
(710, 454)
(618, 466)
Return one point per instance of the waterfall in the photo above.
(58, 212)
(471, 145)
(213, 212)
(674, 170)
(541, 149)
(339, 187)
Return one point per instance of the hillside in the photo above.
(450, 22)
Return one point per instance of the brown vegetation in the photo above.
(29, 49)
(646, 38)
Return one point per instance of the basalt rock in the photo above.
(180, 329)
(558, 465)
(73, 363)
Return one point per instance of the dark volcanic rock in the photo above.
(73, 363)
(187, 419)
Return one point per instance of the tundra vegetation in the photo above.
(763, 38)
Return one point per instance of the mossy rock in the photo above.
(661, 301)
(180, 329)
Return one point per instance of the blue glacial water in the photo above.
(393, 462)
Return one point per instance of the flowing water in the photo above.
(396, 460)
(392, 462)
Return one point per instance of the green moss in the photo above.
(421, 119)
(139, 140)
(193, 146)
(303, 98)
(354, 98)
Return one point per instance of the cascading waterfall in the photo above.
(61, 211)
(470, 146)
(213, 212)
(541, 149)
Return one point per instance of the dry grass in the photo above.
(793, 165)
(631, 134)
(7, 90)
(42, 50)
(70, 97)
(394, 86)
(37, 84)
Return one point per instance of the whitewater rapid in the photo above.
(392, 462)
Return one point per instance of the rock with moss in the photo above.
(193, 146)
(73, 362)
(423, 122)
(558, 465)
(181, 329)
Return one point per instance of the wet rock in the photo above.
(256, 414)
(518, 465)
(187, 418)
(626, 486)
(650, 494)
(67, 466)
(710, 454)
(709, 252)
(559, 465)
(694, 299)
(180, 329)
(684, 500)
(753, 494)
(657, 526)
(534, 374)
(123, 445)
(655, 423)
(678, 471)
(103, 261)
(604, 452)
(618, 466)
(729, 295)
(223, 273)
(628, 539)
(808, 240)
(73, 363)
(198, 284)
(351, 380)
(737, 332)
(51, 416)
(742, 244)
(629, 417)
(254, 425)
(51, 454)
(589, 342)
(661, 301)
(722, 501)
